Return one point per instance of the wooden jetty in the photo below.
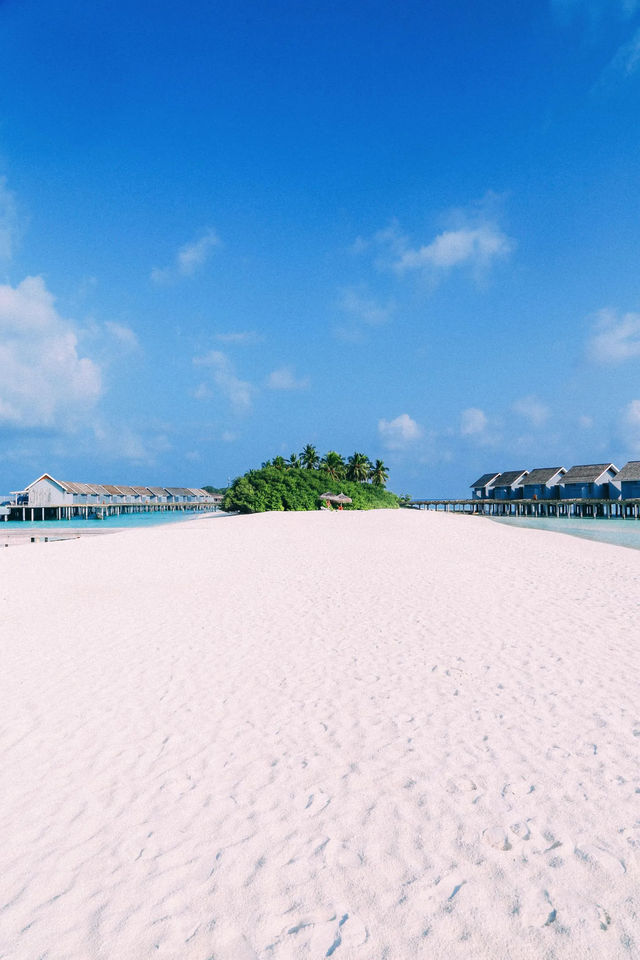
(578, 507)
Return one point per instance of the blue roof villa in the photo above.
(508, 485)
(597, 481)
(480, 489)
(543, 483)
(629, 480)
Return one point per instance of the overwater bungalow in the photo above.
(481, 487)
(543, 483)
(596, 481)
(629, 480)
(508, 485)
(51, 499)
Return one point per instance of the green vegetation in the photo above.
(296, 483)
(211, 489)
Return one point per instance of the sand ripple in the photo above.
(370, 736)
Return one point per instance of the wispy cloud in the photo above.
(533, 410)
(285, 379)
(123, 335)
(123, 442)
(239, 393)
(593, 11)
(399, 433)
(189, 258)
(8, 221)
(631, 427)
(362, 312)
(44, 381)
(614, 339)
(473, 422)
(623, 65)
(241, 338)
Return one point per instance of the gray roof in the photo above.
(630, 471)
(543, 474)
(588, 472)
(484, 480)
(509, 478)
(178, 491)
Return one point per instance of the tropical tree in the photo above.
(294, 460)
(378, 474)
(310, 458)
(358, 467)
(279, 463)
(334, 465)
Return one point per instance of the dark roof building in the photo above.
(591, 480)
(629, 480)
(630, 471)
(544, 475)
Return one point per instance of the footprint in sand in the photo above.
(342, 933)
(497, 838)
(316, 802)
(521, 830)
(461, 785)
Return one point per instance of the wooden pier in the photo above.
(100, 511)
(580, 507)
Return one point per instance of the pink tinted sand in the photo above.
(316, 735)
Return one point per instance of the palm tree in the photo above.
(309, 457)
(294, 460)
(279, 463)
(379, 474)
(358, 467)
(333, 463)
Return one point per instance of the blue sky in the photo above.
(229, 229)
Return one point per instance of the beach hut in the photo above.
(480, 489)
(543, 483)
(508, 485)
(596, 481)
(629, 480)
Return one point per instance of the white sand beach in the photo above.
(351, 735)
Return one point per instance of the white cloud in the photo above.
(473, 242)
(123, 335)
(8, 220)
(533, 410)
(400, 432)
(473, 422)
(188, 258)
(476, 247)
(44, 381)
(285, 379)
(238, 392)
(614, 339)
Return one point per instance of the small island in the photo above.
(297, 483)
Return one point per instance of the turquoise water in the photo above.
(110, 523)
(622, 533)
